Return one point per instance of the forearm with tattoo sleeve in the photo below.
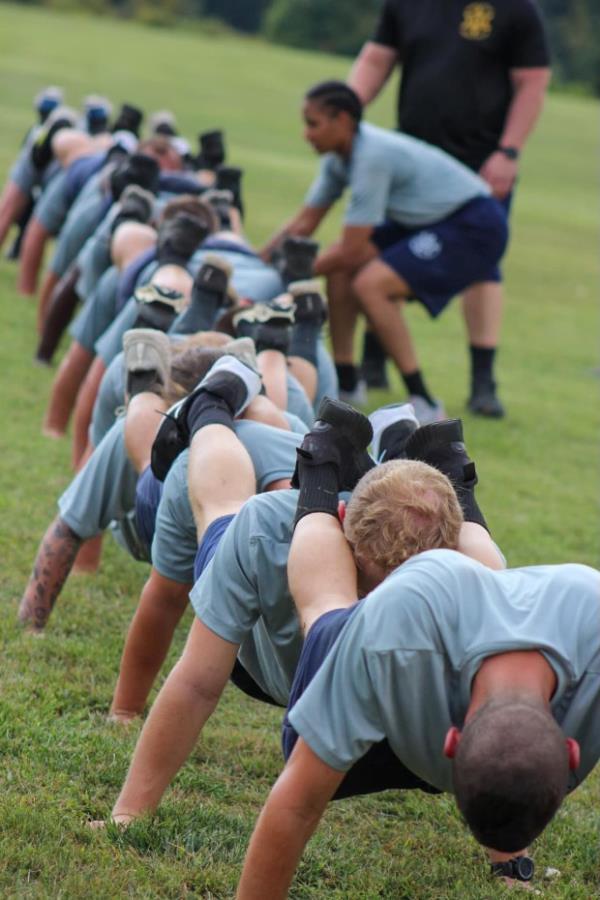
(53, 563)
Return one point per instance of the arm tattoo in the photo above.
(52, 565)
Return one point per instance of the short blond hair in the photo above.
(401, 508)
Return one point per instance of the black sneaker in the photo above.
(229, 379)
(484, 400)
(295, 258)
(269, 325)
(158, 307)
(309, 303)
(136, 205)
(441, 445)
(340, 436)
(212, 150)
(229, 178)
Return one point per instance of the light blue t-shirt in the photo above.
(273, 455)
(243, 594)
(403, 665)
(394, 177)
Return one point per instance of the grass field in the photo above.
(61, 762)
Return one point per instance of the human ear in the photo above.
(451, 742)
(574, 753)
(341, 511)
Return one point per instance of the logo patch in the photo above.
(477, 21)
(425, 245)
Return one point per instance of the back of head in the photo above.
(189, 365)
(193, 206)
(510, 773)
(336, 96)
(399, 509)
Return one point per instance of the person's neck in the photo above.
(525, 676)
(345, 147)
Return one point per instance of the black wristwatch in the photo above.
(509, 152)
(521, 868)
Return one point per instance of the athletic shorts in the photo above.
(210, 542)
(148, 492)
(439, 261)
(379, 769)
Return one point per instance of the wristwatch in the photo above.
(509, 152)
(521, 868)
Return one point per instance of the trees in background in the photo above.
(341, 26)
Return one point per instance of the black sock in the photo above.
(143, 380)
(347, 374)
(318, 489)
(200, 314)
(373, 348)
(304, 341)
(482, 363)
(208, 409)
(415, 385)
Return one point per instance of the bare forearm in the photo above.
(371, 70)
(51, 569)
(274, 852)
(302, 225)
(525, 109)
(165, 743)
(147, 644)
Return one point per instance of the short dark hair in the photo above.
(510, 773)
(336, 95)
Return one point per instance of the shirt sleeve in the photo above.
(174, 544)
(386, 30)
(338, 714)
(225, 597)
(370, 190)
(528, 45)
(327, 187)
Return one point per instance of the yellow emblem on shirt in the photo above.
(477, 21)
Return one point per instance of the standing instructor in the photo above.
(474, 77)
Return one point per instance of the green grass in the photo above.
(61, 762)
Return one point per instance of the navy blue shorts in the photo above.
(210, 542)
(440, 260)
(379, 769)
(148, 492)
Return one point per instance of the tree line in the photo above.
(341, 26)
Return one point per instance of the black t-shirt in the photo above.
(456, 57)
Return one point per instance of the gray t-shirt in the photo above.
(394, 177)
(243, 594)
(273, 455)
(104, 490)
(403, 664)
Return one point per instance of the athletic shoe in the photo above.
(230, 380)
(157, 307)
(212, 150)
(309, 303)
(269, 325)
(230, 179)
(244, 350)
(441, 445)
(221, 202)
(425, 412)
(339, 437)
(484, 400)
(146, 359)
(357, 397)
(296, 257)
(129, 118)
(136, 205)
(392, 426)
